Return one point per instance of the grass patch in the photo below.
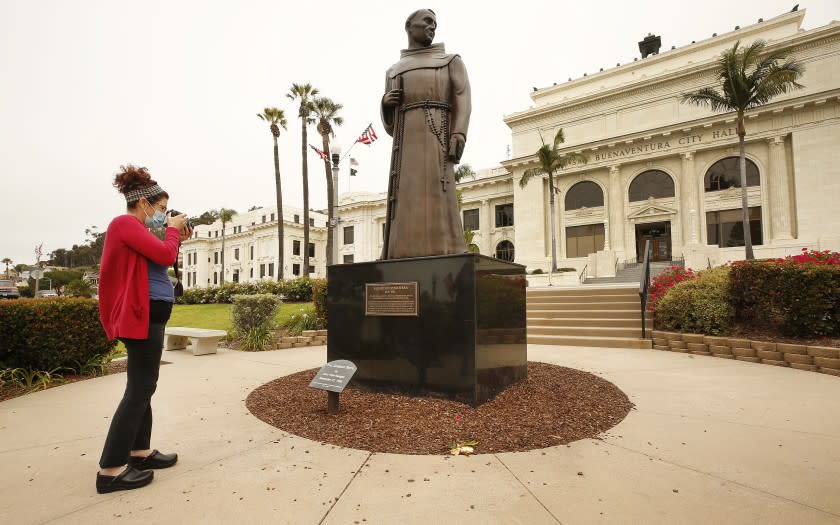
(214, 317)
(217, 316)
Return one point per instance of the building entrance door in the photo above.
(659, 235)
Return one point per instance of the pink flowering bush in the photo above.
(799, 294)
(663, 282)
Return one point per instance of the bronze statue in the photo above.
(426, 109)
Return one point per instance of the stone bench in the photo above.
(203, 341)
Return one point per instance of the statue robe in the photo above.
(426, 219)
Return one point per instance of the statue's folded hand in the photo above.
(392, 98)
(456, 147)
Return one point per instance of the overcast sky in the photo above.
(176, 85)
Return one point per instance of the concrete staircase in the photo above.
(630, 274)
(586, 316)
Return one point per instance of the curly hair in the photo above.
(131, 178)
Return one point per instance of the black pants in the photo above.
(131, 426)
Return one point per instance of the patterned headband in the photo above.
(151, 191)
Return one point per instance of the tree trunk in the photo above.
(279, 195)
(744, 200)
(305, 197)
(325, 137)
(222, 276)
(553, 223)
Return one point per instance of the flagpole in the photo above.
(354, 144)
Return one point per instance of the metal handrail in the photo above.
(644, 284)
(616, 266)
(582, 275)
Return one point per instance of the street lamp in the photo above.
(335, 149)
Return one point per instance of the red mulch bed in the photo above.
(554, 406)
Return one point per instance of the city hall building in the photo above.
(656, 169)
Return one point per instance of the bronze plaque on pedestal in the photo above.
(391, 299)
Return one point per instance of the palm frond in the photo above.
(529, 174)
(571, 158)
(559, 138)
(708, 97)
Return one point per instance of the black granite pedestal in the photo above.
(465, 339)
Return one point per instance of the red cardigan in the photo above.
(124, 278)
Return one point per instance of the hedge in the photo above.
(293, 290)
(798, 294)
(319, 299)
(43, 334)
(700, 305)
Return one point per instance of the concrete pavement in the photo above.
(710, 441)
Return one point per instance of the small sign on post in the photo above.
(333, 377)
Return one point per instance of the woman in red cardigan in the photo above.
(135, 301)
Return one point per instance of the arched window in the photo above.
(584, 194)
(651, 183)
(504, 251)
(726, 173)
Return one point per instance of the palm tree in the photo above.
(326, 112)
(7, 262)
(225, 215)
(463, 171)
(277, 119)
(304, 93)
(469, 236)
(551, 160)
(747, 80)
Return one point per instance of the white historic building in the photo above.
(250, 244)
(656, 169)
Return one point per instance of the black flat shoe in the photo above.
(153, 460)
(130, 478)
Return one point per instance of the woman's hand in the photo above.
(186, 233)
(177, 221)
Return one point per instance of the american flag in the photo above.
(368, 136)
(353, 162)
(319, 152)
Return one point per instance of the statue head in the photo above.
(420, 27)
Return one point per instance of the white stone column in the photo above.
(484, 227)
(614, 237)
(777, 182)
(689, 200)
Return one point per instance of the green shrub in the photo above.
(293, 290)
(319, 299)
(26, 291)
(537, 271)
(700, 305)
(253, 317)
(256, 339)
(303, 319)
(270, 287)
(31, 379)
(298, 290)
(801, 298)
(45, 334)
(561, 270)
(78, 288)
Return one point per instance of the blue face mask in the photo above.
(157, 220)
